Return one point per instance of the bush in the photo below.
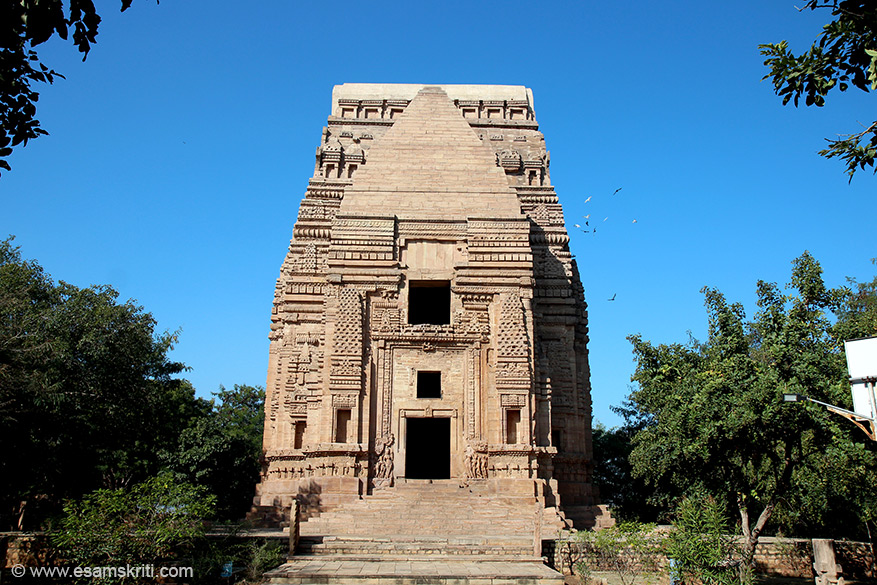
(157, 522)
(626, 549)
(249, 558)
(700, 547)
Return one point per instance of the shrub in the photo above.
(155, 523)
(700, 547)
(626, 549)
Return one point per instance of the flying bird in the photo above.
(613, 297)
(617, 190)
(634, 221)
(586, 216)
(577, 225)
(588, 199)
(605, 218)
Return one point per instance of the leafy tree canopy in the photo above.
(151, 523)
(221, 451)
(626, 495)
(26, 24)
(714, 420)
(87, 397)
(843, 56)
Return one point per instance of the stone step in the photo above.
(450, 523)
(413, 516)
(443, 508)
(367, 530)
(480, 506)
(505, 548)
(379, 523)
(329, 570)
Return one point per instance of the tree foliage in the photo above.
(628, 549)
(87, 397)
(151, 523)
(713, 412)
(626, 494)
(699, 544)
(221, 450)
(25, 25)
(843, 56)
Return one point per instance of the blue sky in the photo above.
(179, 151)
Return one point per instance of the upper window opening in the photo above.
(342, 425)
(299, 428)
(429, 384)
(429, 302)
(513, 426)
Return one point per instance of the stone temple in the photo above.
(429, 332)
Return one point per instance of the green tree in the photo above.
(715, 418)
(25, 25)
(625, 494)
(222, 449)
(87, 397)
(857, 315)
(843, 56)
(152, 523)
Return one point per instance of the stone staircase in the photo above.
(431, 531)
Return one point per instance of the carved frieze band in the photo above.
(344, 400)
(444, 230)
(513, 400)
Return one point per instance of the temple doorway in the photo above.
(428, 448)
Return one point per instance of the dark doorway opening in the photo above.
(428, 448)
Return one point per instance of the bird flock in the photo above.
(592, 229)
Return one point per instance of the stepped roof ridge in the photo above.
(407, 91)
(431, 165)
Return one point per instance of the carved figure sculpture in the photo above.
(384, 455)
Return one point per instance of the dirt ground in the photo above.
(610, 578)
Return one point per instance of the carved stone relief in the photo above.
(476, 460)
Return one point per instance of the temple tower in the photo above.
(429, 322)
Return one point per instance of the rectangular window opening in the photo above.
(429, 302)
(429, 384)
(555, 438)
(342, 424)
(513, 426)
(300, 427)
